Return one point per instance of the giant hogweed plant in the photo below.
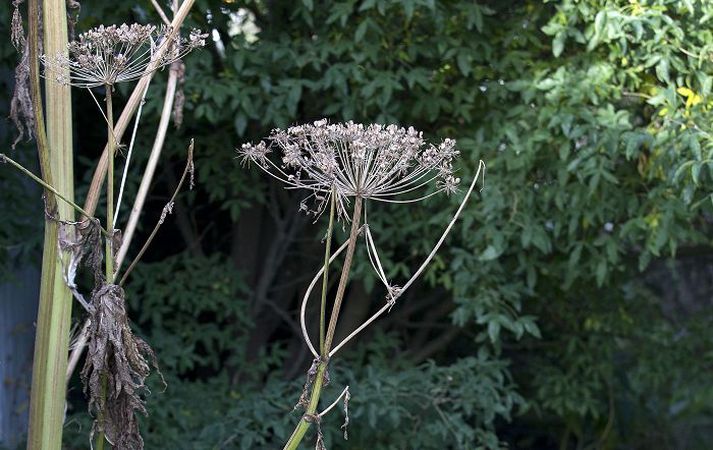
(118, 362)
(342, 167)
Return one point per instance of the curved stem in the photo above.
(335, 402)
(481, 167)
(305, 299)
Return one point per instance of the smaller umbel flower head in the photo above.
(374, 162)
(110, 55)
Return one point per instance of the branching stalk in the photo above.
(304, 423)
(480, 173)
(305, 299)
(122, 123)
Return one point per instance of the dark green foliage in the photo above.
(571, 305)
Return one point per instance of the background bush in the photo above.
(571, 306)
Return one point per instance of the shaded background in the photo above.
(571, 306)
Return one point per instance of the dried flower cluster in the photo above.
(110, 55)
(353, 160)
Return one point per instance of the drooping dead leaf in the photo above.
(17, 32)
(82, 240)
(21, 112)
(117, 365)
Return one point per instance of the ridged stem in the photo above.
(47, 398)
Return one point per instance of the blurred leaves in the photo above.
(594, 119)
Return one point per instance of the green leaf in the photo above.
(601, 271)
(558, 43)
(490, 254)
(361, 30)
(493, 331)
(241, 122)
(662, 70)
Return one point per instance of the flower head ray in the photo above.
(353, 160)
(113, 54)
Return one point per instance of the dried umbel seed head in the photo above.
(113, 54)
(353, 160)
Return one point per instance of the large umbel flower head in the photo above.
(108, 55)
(374, 162)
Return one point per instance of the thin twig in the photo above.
(40, 181)
(304, 423)
(128, 155)
(166, 210)
(160, 12)
(147, 178)
(335, 402)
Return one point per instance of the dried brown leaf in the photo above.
(117, 365)
(21, 111)
(82, 240)
(73, 9)
(17, 32)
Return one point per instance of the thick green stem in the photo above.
(304, 423)
(47, 402)
(325, 277)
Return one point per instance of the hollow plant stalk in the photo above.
(310, 413)
(47, 397)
